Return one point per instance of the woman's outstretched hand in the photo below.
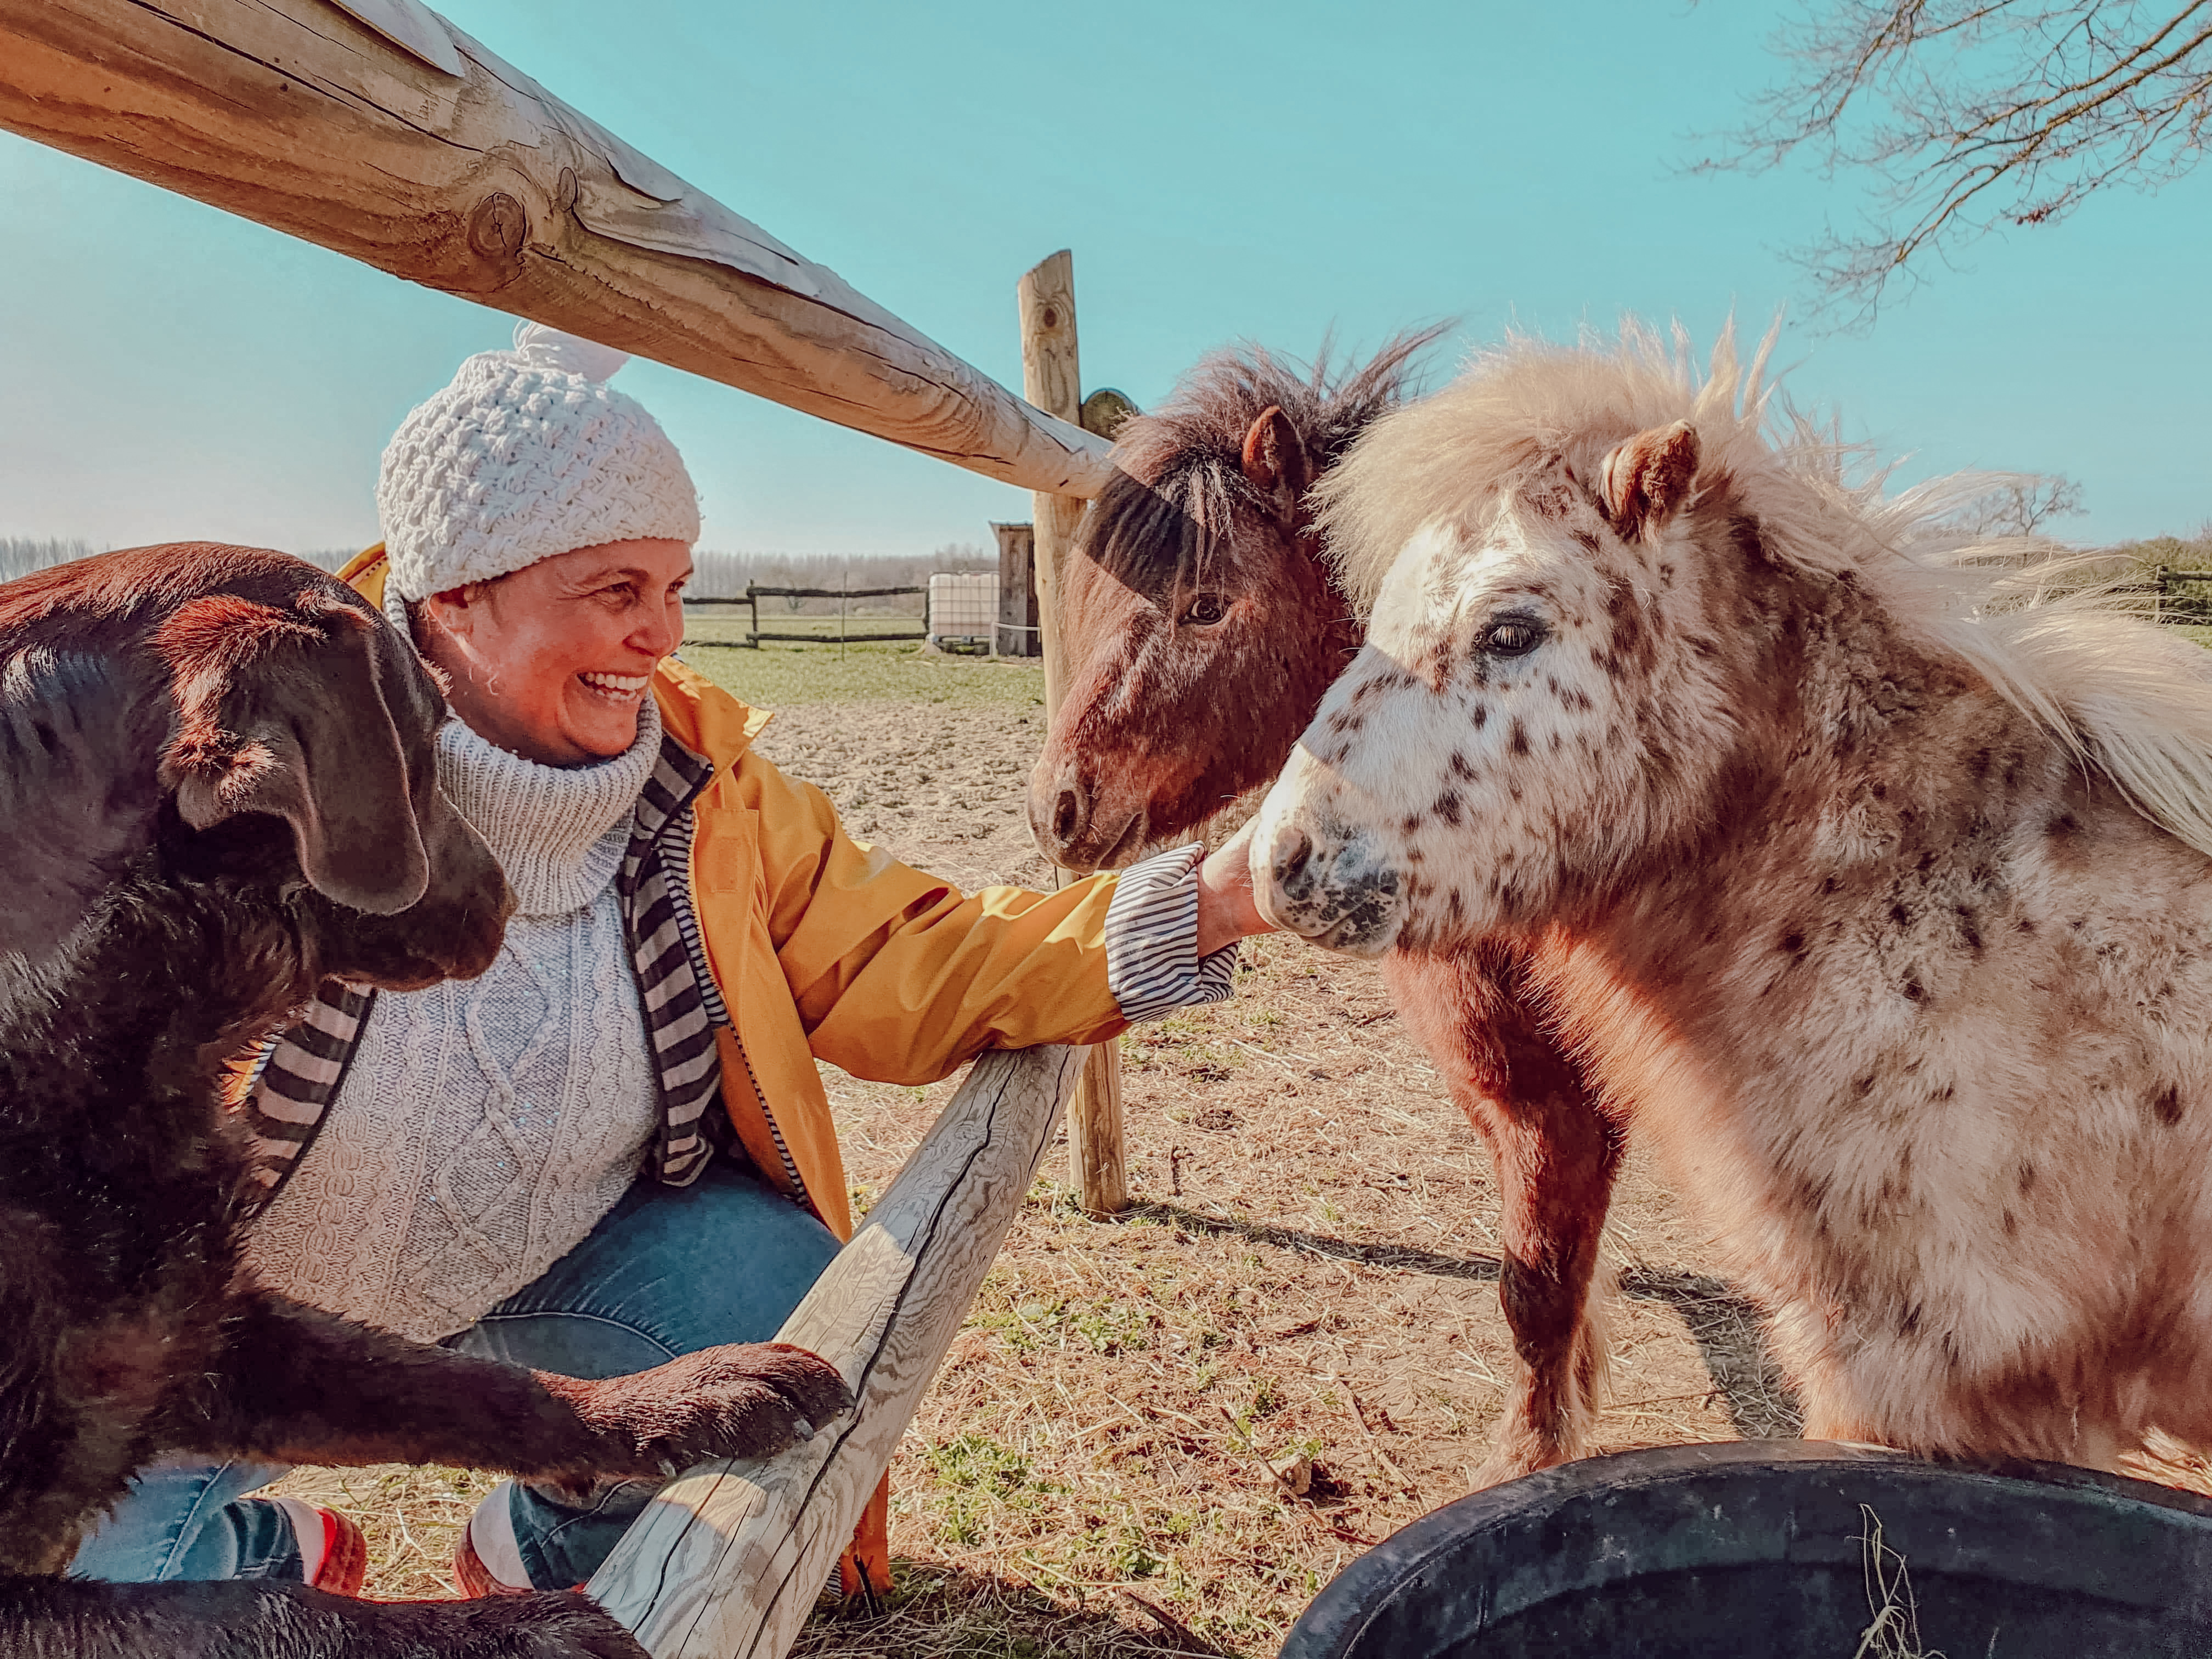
(1227, 912)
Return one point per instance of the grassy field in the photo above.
(789, 676)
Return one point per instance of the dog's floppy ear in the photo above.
(285, 717)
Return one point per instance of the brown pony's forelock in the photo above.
(1179, 476)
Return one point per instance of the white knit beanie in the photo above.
(526, 454)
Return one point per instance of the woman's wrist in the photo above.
(1226, 910)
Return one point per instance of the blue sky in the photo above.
(1220, 170)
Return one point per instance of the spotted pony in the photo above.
(1875, 883)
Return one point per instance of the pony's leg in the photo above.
(1557, 1156)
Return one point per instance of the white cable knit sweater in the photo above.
(486, 1127)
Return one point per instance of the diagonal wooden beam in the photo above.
(726, 1562)
(375, 128)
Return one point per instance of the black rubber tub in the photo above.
(1754, 1549)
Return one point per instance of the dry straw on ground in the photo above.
(1164, 1433)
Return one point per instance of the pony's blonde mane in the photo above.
(2122, 693)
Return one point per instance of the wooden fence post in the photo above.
(1019, 622)
(1052, 381)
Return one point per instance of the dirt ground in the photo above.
(1164, 1432)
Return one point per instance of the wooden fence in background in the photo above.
(755, 594)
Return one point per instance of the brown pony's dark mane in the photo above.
(1179, 475)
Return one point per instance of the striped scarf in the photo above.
(306, 1063)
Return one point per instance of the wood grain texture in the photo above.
(347, 125)
(725, 1563)
(1052, 379)
(1096, 1166)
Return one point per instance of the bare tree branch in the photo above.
(1965, 116)
(2019, 504)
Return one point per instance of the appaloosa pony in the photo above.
(1202, 626)
(1879, 886)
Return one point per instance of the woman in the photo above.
(613, 1147)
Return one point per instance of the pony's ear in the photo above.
(1275, 460)
(307, 737)
(1643, 481)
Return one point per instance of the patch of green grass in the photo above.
(978, 1480)
(786, 676)
(2201, 634)
(1106, 1327)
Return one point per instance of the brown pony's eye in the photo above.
(1205, 610)
(1514, 637)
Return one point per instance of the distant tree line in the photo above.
(20, 555)
(720, 574)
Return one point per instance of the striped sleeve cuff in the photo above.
(1152, 965)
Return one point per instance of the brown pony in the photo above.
(1202, 627)
(1878, 880)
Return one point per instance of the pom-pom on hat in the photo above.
(526, 454)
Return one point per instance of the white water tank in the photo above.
(963, 610)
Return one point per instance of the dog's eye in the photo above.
(1514, 637)
(1205, 610)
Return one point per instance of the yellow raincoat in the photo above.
(825, 948)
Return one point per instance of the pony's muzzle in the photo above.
(1336, 893)
(1068, 828)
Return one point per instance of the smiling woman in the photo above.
(613, 1146)
(553, 662)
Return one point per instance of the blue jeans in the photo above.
(668, 1271)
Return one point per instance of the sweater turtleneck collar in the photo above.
(559, 832)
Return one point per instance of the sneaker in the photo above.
(332, 1551)
(472, 1577)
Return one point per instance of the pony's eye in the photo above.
(1513, 636)
(1205, 610)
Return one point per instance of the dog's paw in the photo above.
(749, 1400)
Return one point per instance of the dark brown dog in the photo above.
(217, 768)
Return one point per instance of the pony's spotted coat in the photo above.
(1878, 888)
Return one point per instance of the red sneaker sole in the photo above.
(345, 1556)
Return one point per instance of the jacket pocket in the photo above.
(726, 856)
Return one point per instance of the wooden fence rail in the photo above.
(377, 129)
(755, 594)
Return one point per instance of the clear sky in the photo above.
(1221, 171)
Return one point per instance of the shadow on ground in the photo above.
(1760, 1402)
(933, 1609)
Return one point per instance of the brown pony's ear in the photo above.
(1643, 481)
(1275, 460)
(304, 735)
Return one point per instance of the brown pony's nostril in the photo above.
(1071, 811)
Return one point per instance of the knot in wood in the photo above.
(497, 226)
